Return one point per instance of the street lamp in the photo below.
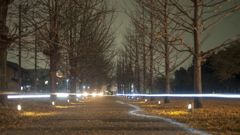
(67, 84)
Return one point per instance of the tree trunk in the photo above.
(4, 43)
(197, 57)
(167, 67)
(151, 57)
(3, 74)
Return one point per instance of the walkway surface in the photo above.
(101, 116)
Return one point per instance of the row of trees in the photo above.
(220, 73)
(76, 37)
(158, 41)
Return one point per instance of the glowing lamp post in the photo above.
(190, 107)
(19, 107)
(53, 103)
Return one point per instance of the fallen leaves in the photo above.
(218, 116)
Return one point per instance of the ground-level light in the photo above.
(19, 107)
(145, 100)
(159, 102)
(190, 107)
(53, 103)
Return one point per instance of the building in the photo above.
(12, 78)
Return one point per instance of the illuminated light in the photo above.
(86, 97)
(56, 82)
(76, 99)
(137, 98)
(19, 107)
(145, 100)
(82, 97)
(67, 100)
(89, 97)
(132, 97)
(94, 94)
(187, 95)
(46, 82)
(190, 107)
(62, 95)
(53, 103)
(78, 95)
(88, 87)
(28, 96)
(84, 87)
(159, 102)
(85, 94)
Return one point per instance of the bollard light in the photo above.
(53, 103)
(145, 100)
(76, 99)
(190, 107)
(19, 107)
(67, 100)
(159, 102)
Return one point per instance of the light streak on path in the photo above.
(185, 95)
(184, 126)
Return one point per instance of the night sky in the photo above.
(227, 28)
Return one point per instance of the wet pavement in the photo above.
(100, 116)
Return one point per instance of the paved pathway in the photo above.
(101, 116)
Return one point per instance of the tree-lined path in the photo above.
(101, 115)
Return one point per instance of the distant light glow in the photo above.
(85, 94)
(67, 100)
(62, 95)
(159, 102)
(76, 99)
(145, 100)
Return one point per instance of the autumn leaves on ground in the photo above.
(32, 110)
(218, 116)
